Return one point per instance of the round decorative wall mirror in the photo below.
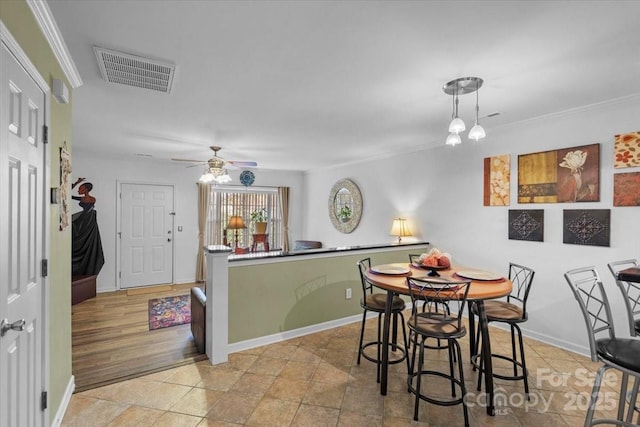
(345, 205)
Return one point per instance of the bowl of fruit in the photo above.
(433, 261)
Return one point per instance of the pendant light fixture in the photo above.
(457, 87)
(477, 132)
(456, 125)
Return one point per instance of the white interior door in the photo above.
(146, 239)
(22, 155)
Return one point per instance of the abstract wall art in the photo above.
(626, 189)
(497, 176)
(626, 148)
(556, 176)
(586, 227)
(65, 186)
(526, 224)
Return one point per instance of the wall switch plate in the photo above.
(347, 293)
(179, 228)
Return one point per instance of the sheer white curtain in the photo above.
(283, 193)
(203, 208)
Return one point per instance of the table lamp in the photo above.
(399, 228)
(235, 223)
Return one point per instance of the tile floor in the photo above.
(315, 381)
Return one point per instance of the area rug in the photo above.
(169, 311)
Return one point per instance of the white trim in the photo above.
(243, 189)
(46, 254)
(23, 59)
(64, 404)
(51, 32)
(294, 333)
(559, 343)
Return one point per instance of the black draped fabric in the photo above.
(86, 247)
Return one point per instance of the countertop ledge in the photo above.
(282, 254)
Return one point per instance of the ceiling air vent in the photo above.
(133, 70)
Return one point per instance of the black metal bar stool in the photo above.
(428, 321)
(376, 302)
(512, 312)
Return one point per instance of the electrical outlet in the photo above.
(347, 293)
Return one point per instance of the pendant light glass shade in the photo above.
(453, 139)
(457, 125)
(219, 176)
(207, 177)
(477, 132)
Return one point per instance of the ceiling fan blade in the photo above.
(188, 160)
(240, 163)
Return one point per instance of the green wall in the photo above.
(17, 17)
(273, 297)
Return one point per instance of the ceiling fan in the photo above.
(217, 166)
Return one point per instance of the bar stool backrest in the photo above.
(588, 290)
(364, 265)
(630, 292)
(522, 278)
(429, 293)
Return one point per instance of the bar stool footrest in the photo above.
(476, 365)
(433, 400)
(398, 347)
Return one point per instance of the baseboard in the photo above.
(300, 332)
(64, 403)
(149, 289)
(294, 333)
(556, 342)
(546, 339)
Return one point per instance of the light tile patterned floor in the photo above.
(315, 381)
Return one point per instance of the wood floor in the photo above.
(111, 340)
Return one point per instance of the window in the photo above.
(226, 202)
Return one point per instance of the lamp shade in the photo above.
(477, 132)
(207, 177)
(235, 223)
(456, 125)
(399, 228)
(223, 179)
(453, 139)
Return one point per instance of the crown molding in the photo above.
(51, 32)
(22, 57)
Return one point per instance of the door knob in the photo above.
(6, 326)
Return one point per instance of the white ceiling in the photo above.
(302, 85)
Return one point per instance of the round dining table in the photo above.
(393, 279)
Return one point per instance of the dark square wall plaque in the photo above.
(527, 224)
(587, 227)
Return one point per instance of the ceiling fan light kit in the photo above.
(457, 87)
(216, 170)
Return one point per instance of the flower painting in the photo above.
(578, 174)
(497, 173)
(565, 175)
(626, 150)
